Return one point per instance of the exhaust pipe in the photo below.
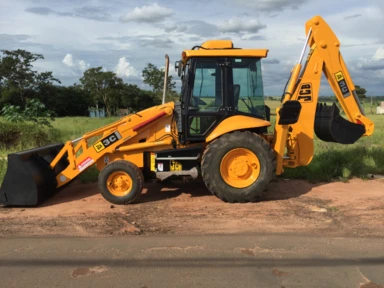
(165, 77)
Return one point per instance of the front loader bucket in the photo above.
(331, 127)
(29, 179)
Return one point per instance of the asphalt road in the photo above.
(192, 261)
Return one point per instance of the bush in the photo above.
(341, 164)
(21, 136)
(3, 169)
(34, 112)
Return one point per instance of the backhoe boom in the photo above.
(296, 137)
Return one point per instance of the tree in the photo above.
(154, 77)
(103, 87)
(130, 96)
(65, 101)
(34, 111)
(137, 99)
(17, 76)
(360, 91)
(147, 99)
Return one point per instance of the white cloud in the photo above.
(68, 60)
(379, 54)
(359, 29)
(192, 23)
(159, 42)
(374, 64)
(124, 69)
(237, 25)
(80, 65)
(175, 27)
(150, 14)
(272, 5)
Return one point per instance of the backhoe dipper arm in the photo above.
(295, 137)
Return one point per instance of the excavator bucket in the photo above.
(331, 127)
(29, 179)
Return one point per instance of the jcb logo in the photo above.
(343, 87)
(339, 76)
(107, 141)
(305, 93)
(342, 84)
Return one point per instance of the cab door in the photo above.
(206, 104)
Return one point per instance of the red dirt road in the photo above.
(289, 206)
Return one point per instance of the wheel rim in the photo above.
(119, 183)
(240, 168)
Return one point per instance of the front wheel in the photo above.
(121, 182)
(238, 166)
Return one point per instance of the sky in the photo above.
(123, 36)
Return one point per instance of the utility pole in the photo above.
(371, 105)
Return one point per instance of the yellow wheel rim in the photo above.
(240, 168)
(119, 183)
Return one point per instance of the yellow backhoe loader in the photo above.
(218, 130)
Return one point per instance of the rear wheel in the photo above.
(238, 167)
(121, 182)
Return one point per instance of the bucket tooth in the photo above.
(29, 179)
(331, 127)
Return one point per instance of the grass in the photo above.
(25, 136)
(89, 176)
(3, 169)
(74, 127)
(333, 209)
(331, 161)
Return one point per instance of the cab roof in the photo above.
(224, 48)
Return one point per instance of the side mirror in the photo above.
(178, 68)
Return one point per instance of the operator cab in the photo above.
(218, 81)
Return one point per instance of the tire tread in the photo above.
(209, 172)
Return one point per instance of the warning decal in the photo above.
(85, 163)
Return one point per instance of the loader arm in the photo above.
(125, 139)
(300, 115)
(34, 174)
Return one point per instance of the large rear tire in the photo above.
(121, 182)
(238, 166)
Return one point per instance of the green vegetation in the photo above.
(333, 161)
(19, 83)
(34, 112)
(3, 169)
(21, 136)
(74, 127)
(332, 209)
